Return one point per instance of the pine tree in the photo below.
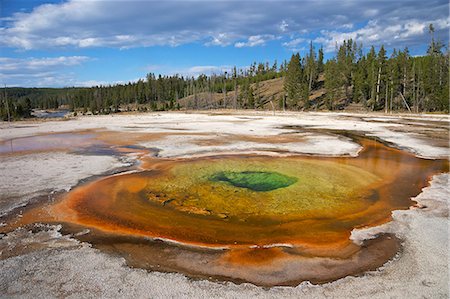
(293, 81)
(320, 65)
(435, 75)
(311, 68)
(345, 60)
(361, 89)
(333, 82)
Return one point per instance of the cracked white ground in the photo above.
(53, 265)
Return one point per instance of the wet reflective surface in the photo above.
(48, 142)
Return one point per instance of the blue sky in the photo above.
(85, 43)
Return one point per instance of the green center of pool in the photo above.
(255, 180)
(252, 187)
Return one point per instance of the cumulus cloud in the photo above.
(220, 39)
(125, 24)
(284, 26)
(9, 65)
(56, 72)
(81, 25)
(294, 44)
(45, 71)
(255, 40)
(398, 33)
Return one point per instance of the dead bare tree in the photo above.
(377, 99)
(235, 94)
(406, 103)
(386, 99)
(225, 90)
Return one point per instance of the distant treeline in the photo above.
(159, 93)
(377, 82)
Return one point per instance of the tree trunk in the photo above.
(414, 86)
(386, 100)
(392, 91)
(310, 83)
(406, 103)
(404, 80)
(235, 94)
(210, 95)
(273, 107)
(224, 94)
(7, 107)
(418, 93)
(195, 97)
(378, 87)
(392, 98)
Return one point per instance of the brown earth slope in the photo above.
(267, 91)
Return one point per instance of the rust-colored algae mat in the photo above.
(248, 218)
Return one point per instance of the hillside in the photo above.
(266, 91)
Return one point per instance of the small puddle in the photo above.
(50, 114)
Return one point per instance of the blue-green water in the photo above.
(255, 180)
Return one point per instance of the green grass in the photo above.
(255, 180)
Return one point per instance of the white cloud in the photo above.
(83, 24)
(294, 43)
(389, 32)
(371, 12)
(284, 26)
(255, 40)
(45, 71)
(8, 65)
(192, 71)
(91, 83)
(221, 39)
(120, 24)
(143, 23)
(197, 70)
(206, 69)
(347, 26)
